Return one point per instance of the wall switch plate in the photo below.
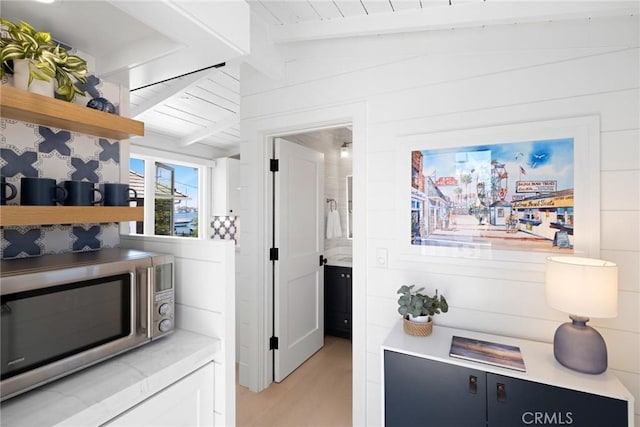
(382, 257)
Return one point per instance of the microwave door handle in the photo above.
(144, 290)
(150, 300)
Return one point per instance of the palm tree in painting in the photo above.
(458, 192)
(466, 180)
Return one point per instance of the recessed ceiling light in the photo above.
(45, 1)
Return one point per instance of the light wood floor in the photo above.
(318, 393)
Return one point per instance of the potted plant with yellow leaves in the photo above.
(417, 309)
(33, 57)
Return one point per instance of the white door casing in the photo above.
(256, 270)
(298, 274)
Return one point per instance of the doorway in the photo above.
(255, 360)
(335, 245)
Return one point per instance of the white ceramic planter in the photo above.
(21, 79)
(419, 319)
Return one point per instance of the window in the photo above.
(173, 190)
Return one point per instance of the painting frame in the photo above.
(585, 133)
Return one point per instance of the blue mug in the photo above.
(81, 193)
(116, 194)
(3, 191)
(41, 192)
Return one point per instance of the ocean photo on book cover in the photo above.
(506, 356)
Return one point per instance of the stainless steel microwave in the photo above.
(62, 313)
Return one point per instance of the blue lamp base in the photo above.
(580, 347)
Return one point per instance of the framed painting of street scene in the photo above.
(523, 188)
(514, 195)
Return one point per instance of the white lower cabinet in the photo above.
(187, 402)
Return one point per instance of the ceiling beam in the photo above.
(137, 52)
(457, 15)
(210, 33)
(265, 55)
(208, 131)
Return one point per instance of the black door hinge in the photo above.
(273, 254)
(273, 343)
(274, 165)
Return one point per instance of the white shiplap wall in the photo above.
(205, 303)
(451, 80)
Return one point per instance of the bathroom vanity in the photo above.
(337, 297)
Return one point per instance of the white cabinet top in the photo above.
(340, 261)
(97, 394)
(540, 364)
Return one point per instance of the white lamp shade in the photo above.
(582, 286)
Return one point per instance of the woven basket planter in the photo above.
(418, 329)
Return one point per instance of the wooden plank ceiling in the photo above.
(201, 108)
(204, 107)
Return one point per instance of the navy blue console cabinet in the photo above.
(424, 386)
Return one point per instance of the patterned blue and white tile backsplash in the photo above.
(31, 150)
(18, 242)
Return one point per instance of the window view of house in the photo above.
(174, 201)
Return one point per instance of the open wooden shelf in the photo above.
(42, 215)
(33, 108)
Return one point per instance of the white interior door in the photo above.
(299, 276)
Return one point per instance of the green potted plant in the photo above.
(417, 309)
(43, 58)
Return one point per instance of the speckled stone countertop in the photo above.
(99, 393)
(340, 261)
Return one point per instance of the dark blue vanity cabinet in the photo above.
(337, 301)
(422, 392)
(424, 386)
(514, 402)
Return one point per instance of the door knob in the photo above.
(473, 384)
(501, 392)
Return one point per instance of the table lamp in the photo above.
(584, 288)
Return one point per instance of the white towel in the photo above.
(334, 229)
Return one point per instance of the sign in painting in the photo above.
(513, 196)
(445, 181)
(536, 186)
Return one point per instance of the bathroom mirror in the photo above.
(349, 206)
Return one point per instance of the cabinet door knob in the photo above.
(473, 384)
(346, 321)
(348, 275)
(341, 274)
(501, 392)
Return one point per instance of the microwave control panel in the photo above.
(164, 299)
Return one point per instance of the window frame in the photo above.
(150, 157)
